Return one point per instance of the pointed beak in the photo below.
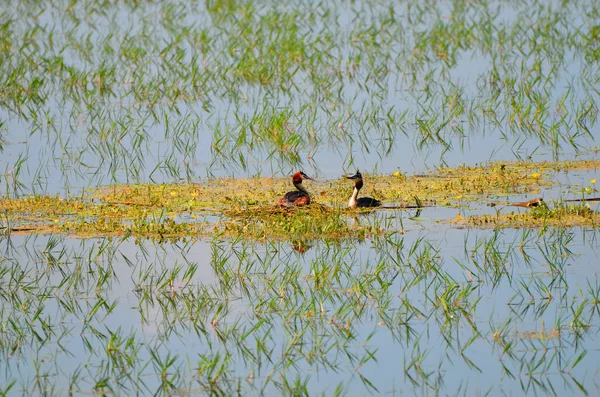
(304, 176)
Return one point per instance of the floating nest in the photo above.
(259, 211)
(315, 209)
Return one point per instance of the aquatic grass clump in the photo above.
(269, 131)
(271, 54)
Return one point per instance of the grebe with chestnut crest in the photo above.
(296, 197)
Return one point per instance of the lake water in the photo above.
(93, 94)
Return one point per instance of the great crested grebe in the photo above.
(296, 197)
(361, 202)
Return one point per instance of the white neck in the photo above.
(352, 203)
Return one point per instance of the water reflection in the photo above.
(301, 246)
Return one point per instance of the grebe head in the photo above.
(298, 176)
(355, 177)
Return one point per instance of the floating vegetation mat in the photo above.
(246, 207)
(559, 215)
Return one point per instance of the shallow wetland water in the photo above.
(144, 144)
